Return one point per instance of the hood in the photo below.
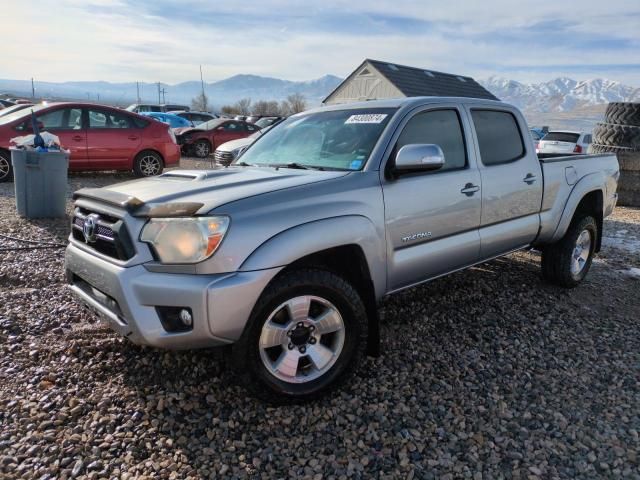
(233, 144)
(200, 191)
(183, 130)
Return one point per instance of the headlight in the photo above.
(185, 240)
(237, 151)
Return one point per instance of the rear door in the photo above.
(112, 138)
(432, 218)
(511, 181)
(66, 123)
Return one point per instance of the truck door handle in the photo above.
(469, 189)
(133, 137)
(530, 178)
(77, 138)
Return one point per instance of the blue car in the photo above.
(174, 121)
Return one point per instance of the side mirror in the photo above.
(419, 157)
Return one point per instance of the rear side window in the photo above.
(562, 137)
(232, 127)
(439, 127)
(587, 139)
(138, 122)
(499, 137)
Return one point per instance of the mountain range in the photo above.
(220, 93)
(561, 94)
(562, 102)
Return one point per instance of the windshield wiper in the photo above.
(296, 165)
(244, 164)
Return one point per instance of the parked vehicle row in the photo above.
(98, 138)
(286, 254)
(149, 107)
(229, 151)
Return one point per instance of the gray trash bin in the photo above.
(40, 180)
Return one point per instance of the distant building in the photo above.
(374, 80)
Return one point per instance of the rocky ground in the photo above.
(487, 373)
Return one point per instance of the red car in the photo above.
(202, 140)
(99, 138)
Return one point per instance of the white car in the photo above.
(566, 142)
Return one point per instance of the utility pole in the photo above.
(33, 89)
(163, 91)
(138, 91)
(159, 93)
(204, 104)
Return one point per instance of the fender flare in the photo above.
(299, 241)
(589, 183)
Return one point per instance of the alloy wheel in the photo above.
(302, 339)
(4, 167)
(150, 165)
(581, 252)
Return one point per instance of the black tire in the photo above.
(557, 258)
(249, 367)
(623, 113)
(201, 148)
(597, 148)
(148, 164)
(6, 169)
(617, 135)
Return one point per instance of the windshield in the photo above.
(211, 124)
(340, 139)
(10, 117)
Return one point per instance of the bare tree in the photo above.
(297, 103)
(243, 106)
(229, 110)
(200, 103)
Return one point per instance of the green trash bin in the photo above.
(40, 180)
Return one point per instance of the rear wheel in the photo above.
(567, 261)
(6, 170)
(305, 336)
(148, 164)
(201, 149)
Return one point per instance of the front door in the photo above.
(66, 124)
(112, 139)
(511, 182)
(432, 218)
(229, 131)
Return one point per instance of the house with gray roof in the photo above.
(374, 80)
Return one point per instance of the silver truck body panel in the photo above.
(410, 229)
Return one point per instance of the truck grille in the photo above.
(107, 235)
(225, 158)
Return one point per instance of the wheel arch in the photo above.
(586, 197)
(354, 251)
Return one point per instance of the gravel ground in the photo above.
(486, 373)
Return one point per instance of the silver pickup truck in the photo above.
(286, 253)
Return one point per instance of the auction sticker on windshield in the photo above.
(367, 118)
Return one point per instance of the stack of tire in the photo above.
(620, 134)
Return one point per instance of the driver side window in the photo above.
(439, 127)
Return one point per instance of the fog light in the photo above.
(185, 317)
(175, 319)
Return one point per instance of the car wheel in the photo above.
(305, 336)
(567, 262)
(148, 164)
(201, 149)
(6, 170)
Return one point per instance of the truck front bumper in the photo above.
(130, 300)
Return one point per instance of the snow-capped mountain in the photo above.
(561, 94)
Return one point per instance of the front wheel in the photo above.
(148, 164)
(567, 261)
(6, 171)
(305, 336)
(202, 149)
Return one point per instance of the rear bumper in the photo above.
(126, 299)
(172, 154)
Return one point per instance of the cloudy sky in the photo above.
(161, 40)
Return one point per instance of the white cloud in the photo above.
(121, 41)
